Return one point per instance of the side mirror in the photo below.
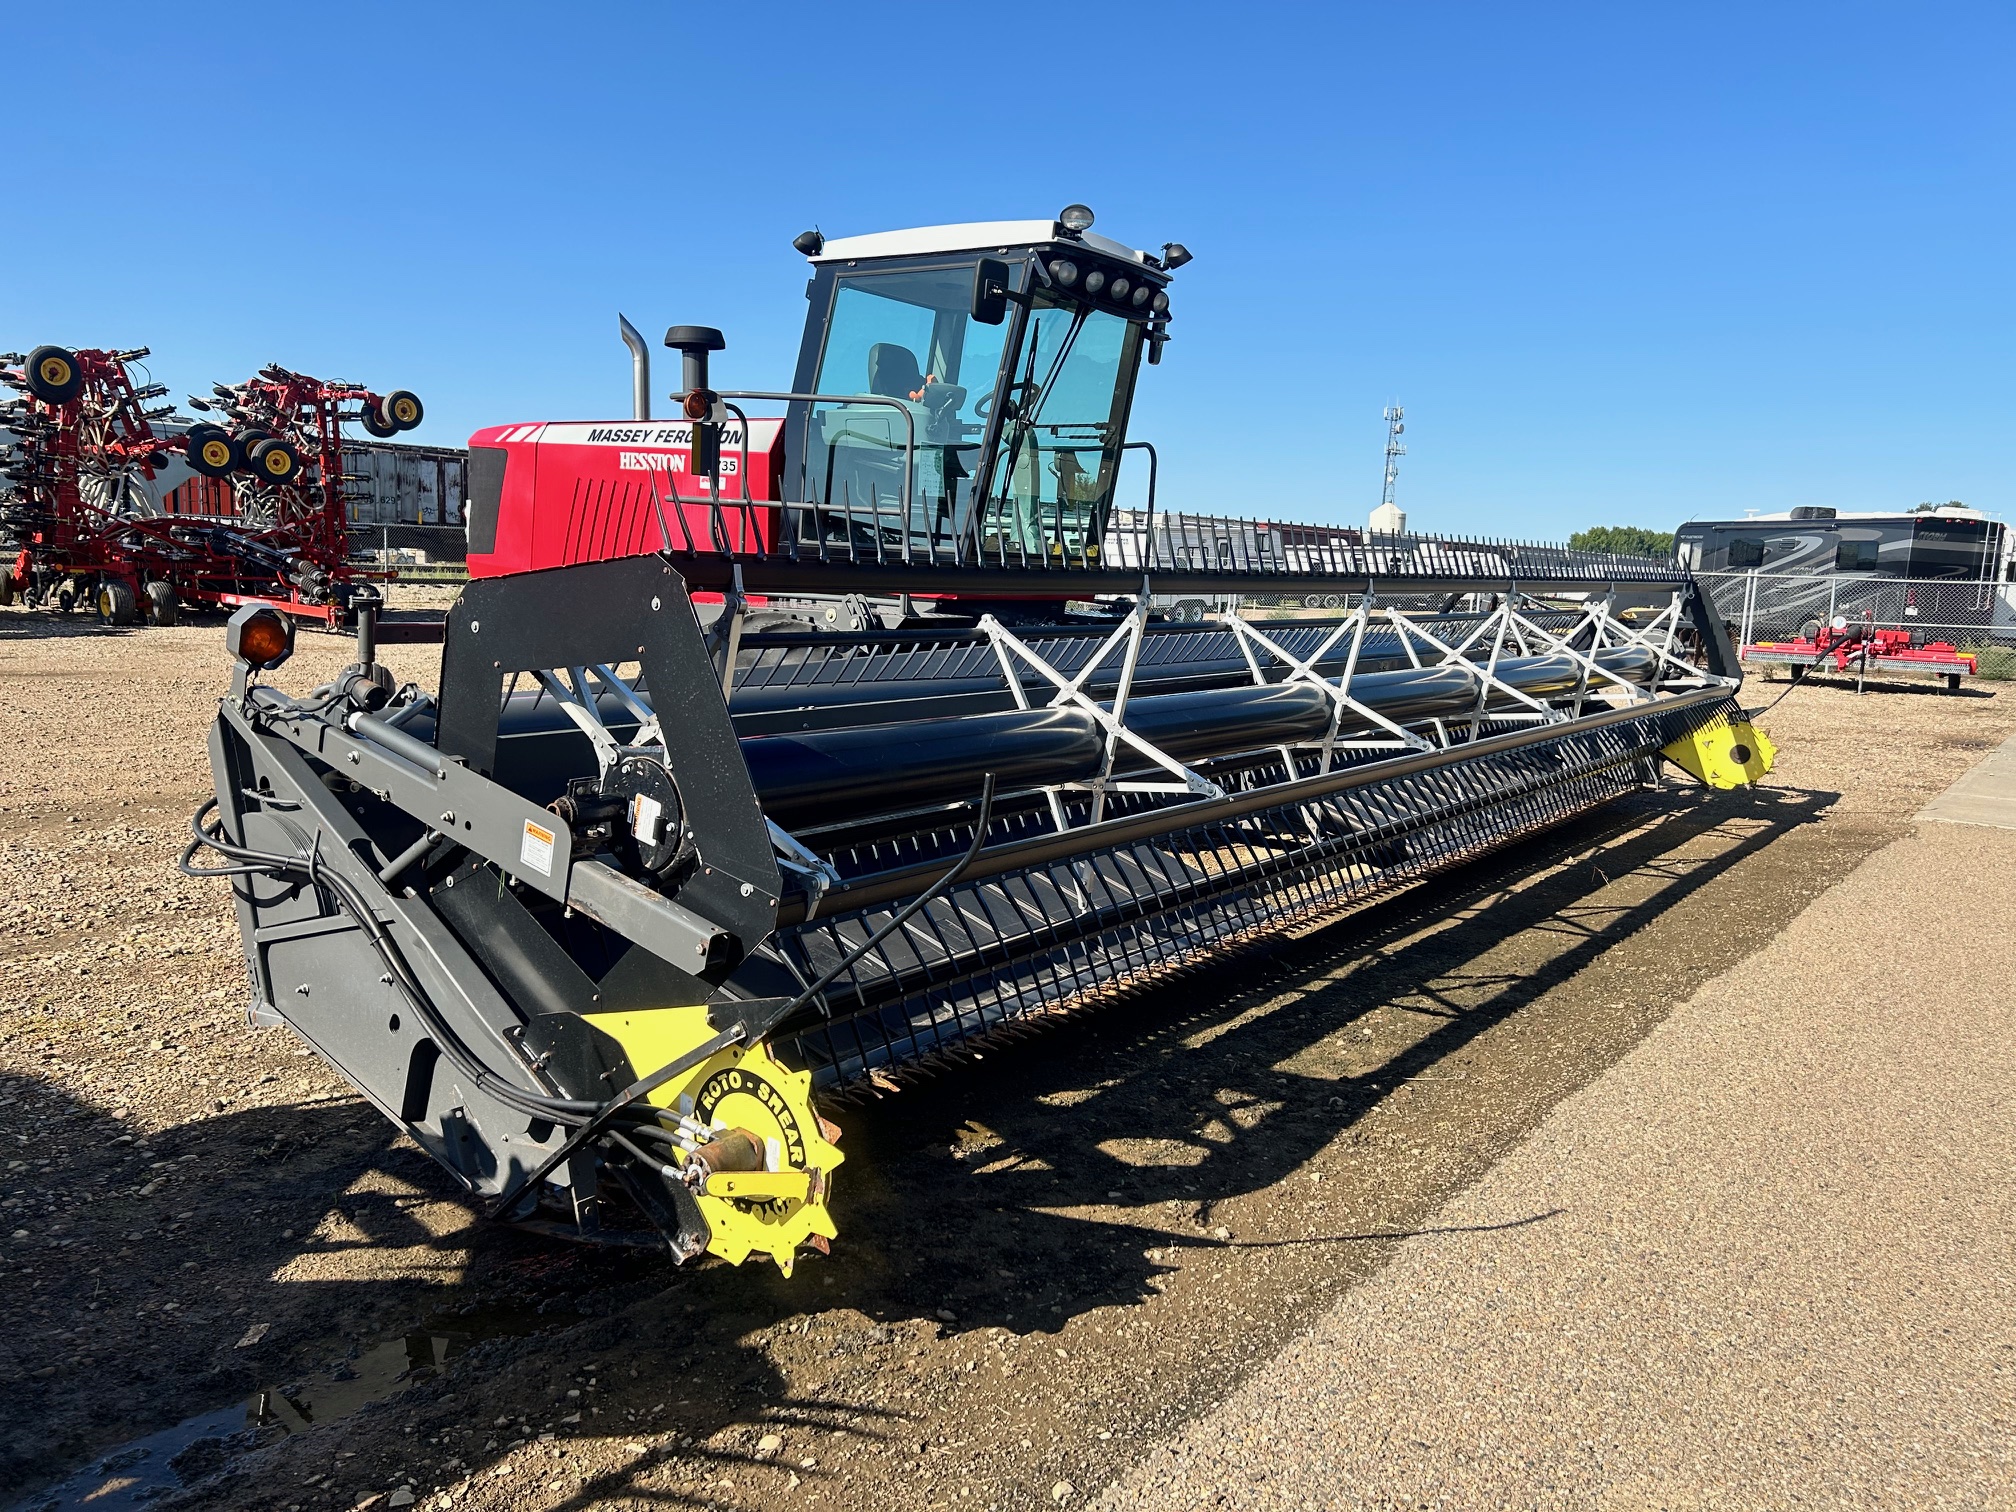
(990, 291)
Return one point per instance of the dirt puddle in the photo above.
(196, 1448)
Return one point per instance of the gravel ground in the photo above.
(1766, 1261)
(1048, 1264)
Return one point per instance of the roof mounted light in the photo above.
(1075, 219)
(1174, 255)
(809, 243)
(1064, 271)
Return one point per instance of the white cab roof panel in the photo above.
(975, 236)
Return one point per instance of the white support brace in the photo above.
(1021, 696)
(1071, 694)
(1137, 623)
(1500, 618)
(1629, 637)
(649, 732)
(579, 706)
(1451, 656)
(1303, 669)
(580, 703)
(1593, 615)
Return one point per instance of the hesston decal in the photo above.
(631, 461)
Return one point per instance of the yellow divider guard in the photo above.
(1726, 754)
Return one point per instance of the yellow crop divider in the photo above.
(1729, 753)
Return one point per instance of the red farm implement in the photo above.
(88, 521)
(1863, 649)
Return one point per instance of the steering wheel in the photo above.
(984, 406)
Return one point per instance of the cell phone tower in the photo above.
(1389, 518)
(1395, 426)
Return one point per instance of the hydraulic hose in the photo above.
(310, 866)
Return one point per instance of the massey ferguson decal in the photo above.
(763, 434)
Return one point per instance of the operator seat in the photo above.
(892, 371)
(893, 374)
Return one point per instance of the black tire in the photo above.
(374, 426)
(65, 597)
(53, 375)
(212, 452)
(116, 602)
(401, 409)
(6, 586)
(162, 606)
(1810, 630)
(274, 461)
(248, 438)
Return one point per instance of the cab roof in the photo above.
(974, 236)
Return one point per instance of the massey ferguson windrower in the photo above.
(613, 920)
(83, 528)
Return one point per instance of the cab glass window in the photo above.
(1060, 442)
(925, 372)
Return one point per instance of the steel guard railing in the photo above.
(1199, 552)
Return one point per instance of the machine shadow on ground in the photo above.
(1004, 1194)
(1845, 682)
(35, 624)
(1138, 1072)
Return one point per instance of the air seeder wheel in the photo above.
(211, 451)
(246, 439)
(401, 409)
(53, 375)
(116, 602)
(161, 604)
(274, 461)
(6, 586)
(374, 425)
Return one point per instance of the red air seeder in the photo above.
(265, 519)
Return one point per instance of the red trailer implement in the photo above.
(1862, 650)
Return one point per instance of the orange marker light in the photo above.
(260, 635)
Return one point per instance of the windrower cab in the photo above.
(961, 391)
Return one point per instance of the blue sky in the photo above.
(1623, 264)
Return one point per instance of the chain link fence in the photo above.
(1977, 615)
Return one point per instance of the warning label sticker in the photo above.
(535, 851)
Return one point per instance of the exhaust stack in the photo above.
(640, 369)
